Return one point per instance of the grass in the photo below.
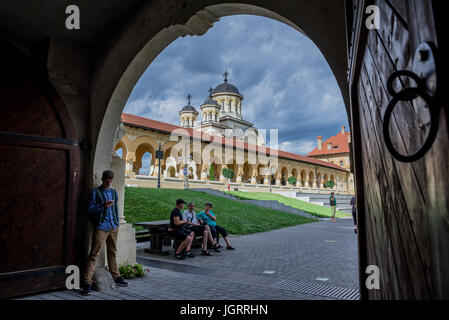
(313, 209)
(148, 204)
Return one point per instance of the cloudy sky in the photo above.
(286, 82)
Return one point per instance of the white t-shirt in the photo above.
(190, 216)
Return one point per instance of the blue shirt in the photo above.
(108, 224)
(206, 219)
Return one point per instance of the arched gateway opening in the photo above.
(198, 23)
(142, 60)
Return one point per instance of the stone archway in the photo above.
(127, 54)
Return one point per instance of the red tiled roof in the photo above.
(338, 142)
(145, 123)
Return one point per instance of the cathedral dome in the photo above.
(226, 87)
(210, 102)
(188, 108)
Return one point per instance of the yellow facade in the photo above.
(138, 141)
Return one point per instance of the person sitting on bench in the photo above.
(208, 217)
(178, 230)
(195, 226)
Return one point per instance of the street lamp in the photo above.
(186, 184)
(159, 156)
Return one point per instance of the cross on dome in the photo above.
(188, 98)
(226, 75)
(210, 92)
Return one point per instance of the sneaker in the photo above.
(179, 256)
(230, 248)
(87, 291)
(120, 282)
(189, 254)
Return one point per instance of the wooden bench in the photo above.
(142, 236)
(158, 234)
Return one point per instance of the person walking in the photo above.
(333, 204)
(103, 213)
(353, 203)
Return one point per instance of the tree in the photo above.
(292, 180)
(228, 173)
(330, 184)
(211, 173)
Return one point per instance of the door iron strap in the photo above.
(28, 137)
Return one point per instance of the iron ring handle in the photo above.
(408, 95)
(401, 95)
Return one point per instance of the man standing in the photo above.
(103, 213)
(353, 203)
(333, 204)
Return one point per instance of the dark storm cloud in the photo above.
(286, 81)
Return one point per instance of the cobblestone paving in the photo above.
(262, 261)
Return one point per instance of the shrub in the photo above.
(292, 180)
(211, 173)
(130, 271)
(228, 173)
(329, 184)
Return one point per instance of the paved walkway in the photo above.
(311, 261)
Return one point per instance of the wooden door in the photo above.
(403, 211)
(39, 173)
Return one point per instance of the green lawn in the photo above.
(313, 209)
(148, 204)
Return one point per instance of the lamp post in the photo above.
(186, 183)
(159, 156)
(269, 175)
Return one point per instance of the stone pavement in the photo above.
(279, 264)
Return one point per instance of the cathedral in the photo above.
(221, 114)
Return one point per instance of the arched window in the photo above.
(120, 152)
(222, 105)
(210, 116)
(188, 122)
(216, 118)
(342, 163)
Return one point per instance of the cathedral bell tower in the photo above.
(188, 115)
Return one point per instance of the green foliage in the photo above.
(151, 204)
(228, 173)
(211, 173)
(330, 184)
(130, 271)
(313, 209)
(292, 180)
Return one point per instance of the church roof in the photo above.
(140, 122)
(226, 87)
(189, 108)
(210, 101)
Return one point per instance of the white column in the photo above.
(126, 241)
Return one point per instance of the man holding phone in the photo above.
(103, 212)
